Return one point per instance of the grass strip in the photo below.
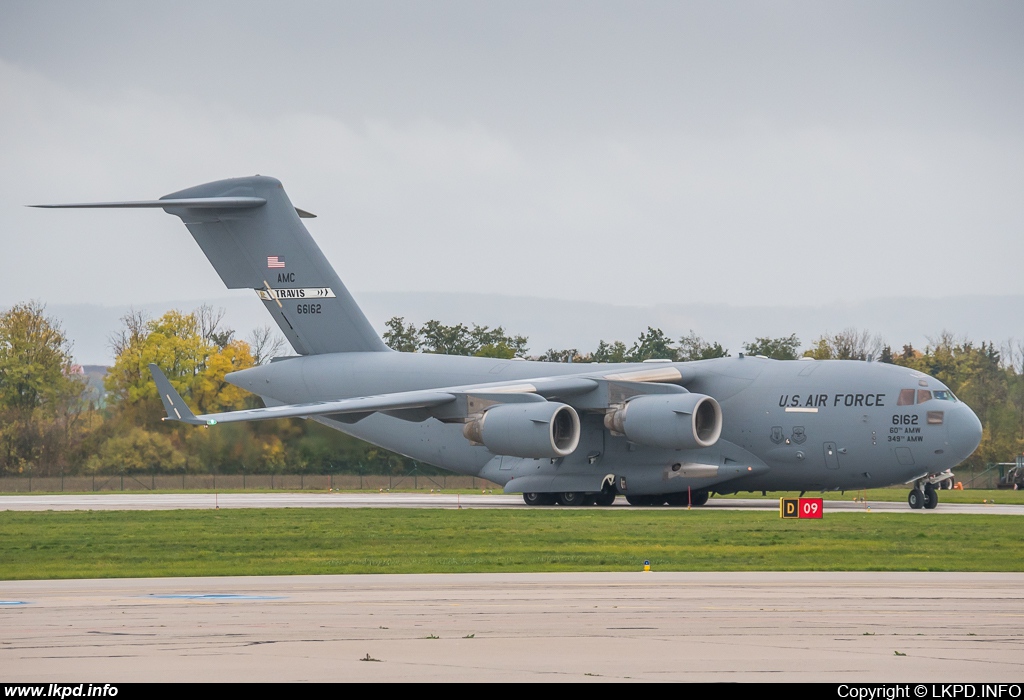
(102, 544)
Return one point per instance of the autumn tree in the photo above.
(401, 337)
(784, 348)
(652, 344)
(196, 352)
(693, 347)
(849, 344)
(43, 413)
(265, 344)
(567, 355)
(437, 338)
(610, 352)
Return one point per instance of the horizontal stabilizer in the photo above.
(190, 203)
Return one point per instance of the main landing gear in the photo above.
(926, 497)
(607, 498)
(680, 498)
(569, 498)
(539, 499)
(604, 497)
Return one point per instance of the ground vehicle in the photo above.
(1013, 478)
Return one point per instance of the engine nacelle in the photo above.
(536, 430)
(672, 421)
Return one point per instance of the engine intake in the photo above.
(672, 421)
(535, 430)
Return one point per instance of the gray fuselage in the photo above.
(787, 425)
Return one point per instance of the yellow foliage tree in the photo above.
(43, 413)
(140, 450)
(210, 391)
(193, 362)
(196, 357)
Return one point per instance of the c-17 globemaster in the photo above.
(655, 432)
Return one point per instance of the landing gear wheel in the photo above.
(700, 497)
(948, 484)
(571, 498)
(605, 498)
(538, 499)
(644, 500)
(915, 499)
(681, 498)
(931, 497)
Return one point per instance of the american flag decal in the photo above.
(274, 261)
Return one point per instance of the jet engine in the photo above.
(536, 430)
(672, 421)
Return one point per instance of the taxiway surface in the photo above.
(173, 501)
(837, 627)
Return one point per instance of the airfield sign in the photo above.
(801, 508)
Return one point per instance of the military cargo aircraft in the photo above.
(572, 434)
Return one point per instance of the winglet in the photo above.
(175, 406)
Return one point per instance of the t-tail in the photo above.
(253, 235)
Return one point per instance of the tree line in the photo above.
(52, 423)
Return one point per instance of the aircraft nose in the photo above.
(964, 432)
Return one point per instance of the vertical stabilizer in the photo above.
(266, 248)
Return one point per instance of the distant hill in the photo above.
(554, 323)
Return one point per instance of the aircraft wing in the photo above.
(177, 409)
(594, 391)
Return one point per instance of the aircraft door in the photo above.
(904, 456)
(831, 456)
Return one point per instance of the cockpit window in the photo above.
(907, 396)
(935, 417)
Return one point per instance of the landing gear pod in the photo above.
(534, 430)
(673, 421)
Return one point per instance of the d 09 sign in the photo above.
(801, 508)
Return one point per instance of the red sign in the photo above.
(810, 508)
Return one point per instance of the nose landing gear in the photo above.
(926, 497)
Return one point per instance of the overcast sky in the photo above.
(639, 153)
